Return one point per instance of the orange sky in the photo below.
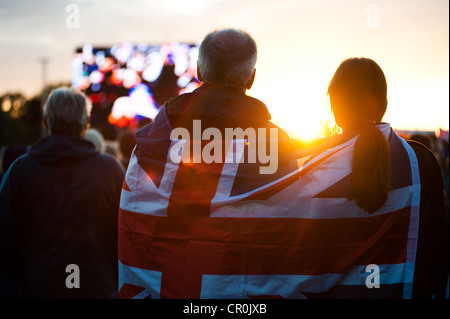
(300, 45)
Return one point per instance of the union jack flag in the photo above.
(217, 231)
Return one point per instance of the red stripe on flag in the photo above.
(125, 185)
(128, 291)
(187, 244)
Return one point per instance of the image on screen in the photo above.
(127, 82)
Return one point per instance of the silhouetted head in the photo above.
(67, 112)
(358, 93)
(227, 58)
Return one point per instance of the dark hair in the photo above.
(358, 101)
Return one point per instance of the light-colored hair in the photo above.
(95, 137)
(67, 111)
(227, 58)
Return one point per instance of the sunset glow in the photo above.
(300, 45)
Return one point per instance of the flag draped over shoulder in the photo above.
(220, 230)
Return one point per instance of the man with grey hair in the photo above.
(166, 205)
(228, 58)
(59, 204)
(226, 68)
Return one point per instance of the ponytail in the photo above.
(371, 172)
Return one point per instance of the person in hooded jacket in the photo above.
(58, 211)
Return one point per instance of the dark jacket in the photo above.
(221, 108)
(432, 258)
(59, 206)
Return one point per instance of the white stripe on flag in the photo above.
(292, 286)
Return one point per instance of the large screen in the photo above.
(127, 82)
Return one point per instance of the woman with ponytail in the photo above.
(358, 99)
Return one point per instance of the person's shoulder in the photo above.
(22, 160)
(423, 153)
(110, 162)
(428, 164)
(176, 104)
(16, 169)
(281, 133)
(108, 158)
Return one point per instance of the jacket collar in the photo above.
(62, 149)
(211, 101)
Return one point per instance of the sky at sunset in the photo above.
(300, 45)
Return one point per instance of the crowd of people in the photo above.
(69, 195)
(120, 147)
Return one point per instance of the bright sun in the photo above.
(302, 118)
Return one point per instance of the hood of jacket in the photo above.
(62, 150)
